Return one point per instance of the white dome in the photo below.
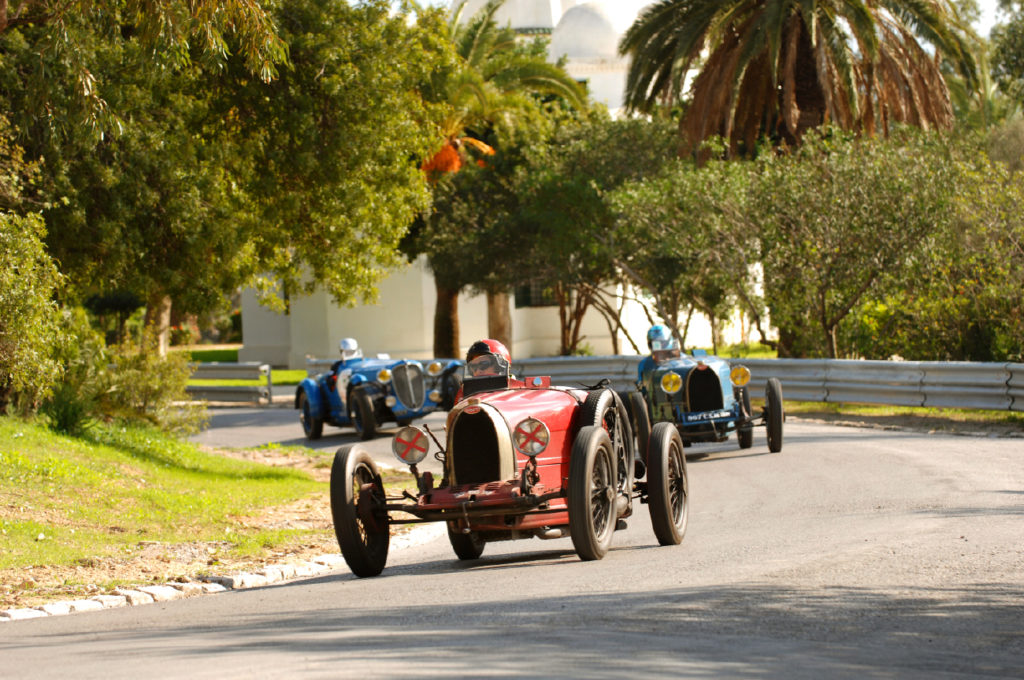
(517, 13)
(591, 31)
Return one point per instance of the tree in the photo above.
(695, 244)
(1008, 53)
(840, 221)
(777, 68)
(217, 179)
(574, 242)
(496, 85)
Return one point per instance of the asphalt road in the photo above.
(854, 553)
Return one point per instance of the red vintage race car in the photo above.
(521, 459)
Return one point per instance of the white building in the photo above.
(401, 323)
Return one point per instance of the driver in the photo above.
(488, 358)
(349, 350)
(662, 345)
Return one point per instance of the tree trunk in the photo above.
(158, 321)
(446, 321)
(499, 318)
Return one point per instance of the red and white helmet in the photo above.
(488, 358)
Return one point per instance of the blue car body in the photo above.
(364, 393)
(706, 398)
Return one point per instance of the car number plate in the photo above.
(707, 415)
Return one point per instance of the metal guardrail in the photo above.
(971, 385)
(251, 370)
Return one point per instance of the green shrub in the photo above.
(143, 386)
(73, 405)
(28, 314)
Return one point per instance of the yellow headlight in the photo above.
(739, 375)
(384, 375)
(434, 368)
(671, 382)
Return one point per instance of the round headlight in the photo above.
(531, 437)
(384, 375)
(390, 401)
(434, 368)
(739, 375)
(435, 396)
(410, 445)
(671, 382)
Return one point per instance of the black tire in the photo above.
(357, 508)
(641, 424)
(311, 425)
(775, 414)
(467, 546)
(360, 408)
(668, 486)
(451, 383)
(592, 493)
(604, 409)
(745, 433)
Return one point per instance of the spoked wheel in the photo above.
(361, 411)
(668, 487)
(357, 508)
(592, 493)
(745, 433)
(604, 409)
(641, 424)
(775, 414)
(467, 546)
(311, 425)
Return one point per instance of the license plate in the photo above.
(705, 416)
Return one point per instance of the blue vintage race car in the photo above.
(705, 397)
(365, 392)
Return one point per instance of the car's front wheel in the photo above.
(775, 414)
(311, 424)
(668, 487)
(592, 493)
(361, 412)
(361, 522)
(745, 433)
(466, 546)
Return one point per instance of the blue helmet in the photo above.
(659, 337)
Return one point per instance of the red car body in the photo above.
(521, 459)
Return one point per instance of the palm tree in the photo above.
(776, 68)
(494, 83)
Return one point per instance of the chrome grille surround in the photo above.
(407, 380)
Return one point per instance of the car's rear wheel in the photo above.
(466, 546)
(604, 409)
(745, 433)
(592, 493)
(668, 488)
(775, 415)
(641, 424)
(358, 510)
(361, 412)
(311, 425)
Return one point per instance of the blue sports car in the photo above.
(364, 393)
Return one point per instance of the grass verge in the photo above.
(132, 506)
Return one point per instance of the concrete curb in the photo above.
(205, 585)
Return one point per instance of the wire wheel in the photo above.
(592, 493)
(668, 488)
(358, 510)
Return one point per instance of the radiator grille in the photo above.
(475, 455)
(408, 383)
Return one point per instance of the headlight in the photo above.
(384, 375)
(671, 382)
(739, 375)
(530, 437)
(410, 445)
(434, 396)
(434, 368)
(390, 401)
